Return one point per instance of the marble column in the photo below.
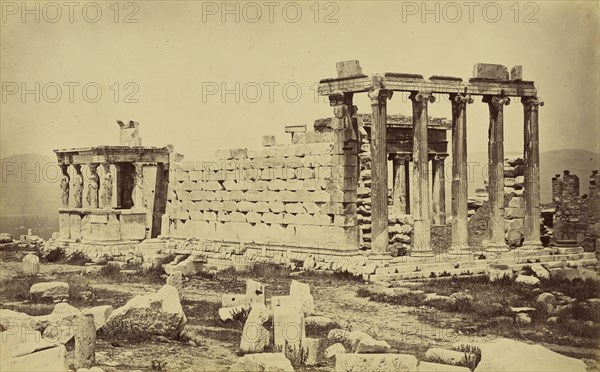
(400, 193)
(64, 185)
(138, 186)
(496, 242)
(77, 186)
(438, 190)
(421, 215)
(460, 177)
(531, 225)
(379, 181)
(93, 185)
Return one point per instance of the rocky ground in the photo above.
(408, 318)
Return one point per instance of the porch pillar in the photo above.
(422, 221)
(460, 181)
(496, 242)
(531, 225)
(379, 184)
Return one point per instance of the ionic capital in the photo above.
(422, 97)
(460, 100)
(379, 95)
(532, 103)
(496, 101)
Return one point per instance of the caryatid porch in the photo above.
(494, 84)
(112, 193)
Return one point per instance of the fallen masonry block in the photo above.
(53, 359)
(288, 321)
(154, 314)
(302, 291)
(528, 280)
(375, 362)
(61, 323)
(255, 337)
(312, 348)
(510, 355)
(445, 356)
(334, 350)
(263, 362)
(51, 290)
(100, 313)
(255, 291)
(368, 345)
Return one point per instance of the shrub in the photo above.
(472, 355)
(55, 255)
(111, 272)
(78, 258)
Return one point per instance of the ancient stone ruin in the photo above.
(322, 195)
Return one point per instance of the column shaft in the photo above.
(496, 241)
(379, 186)
(460, 181)
(421, 215)
(531, 225)
(438, 192)
(400, 200)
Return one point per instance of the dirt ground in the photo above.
(407, 329)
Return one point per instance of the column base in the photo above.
(532, 245)
(426, 253)
(496, 247)
(459, 250)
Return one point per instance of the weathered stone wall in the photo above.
(399, 228)
(296, 195)
(577, 217)
(514, 202)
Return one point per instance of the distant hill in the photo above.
(30, 189)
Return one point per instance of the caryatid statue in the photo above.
(64, 185)
(77, 186)
(93, 184)
(138, 188)
(107, 187)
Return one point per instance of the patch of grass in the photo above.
(472, 355)
(403, 299)
(581, 289)
(17, 288)
(112, 273)
(152, 274)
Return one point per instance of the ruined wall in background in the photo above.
(300, 195)
(577, 217)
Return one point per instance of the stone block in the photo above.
(100, 314)
(268, 140)
(334, 350)
(302, 292)
(255, 291)
(348, 68)
(516, 73)
(445, 356)
(133, 226)
(288, 321)
(312, 348)
(490, 71)
(255, 336)
(263, 362)
(53, 359)
(375, 362)
(63, 225)
(515, 212)
(31, 264)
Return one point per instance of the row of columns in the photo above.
(99, 191)
(401, 186)
(420, 206)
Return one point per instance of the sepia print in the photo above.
(300, 186)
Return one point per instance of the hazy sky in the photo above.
(177, 52)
